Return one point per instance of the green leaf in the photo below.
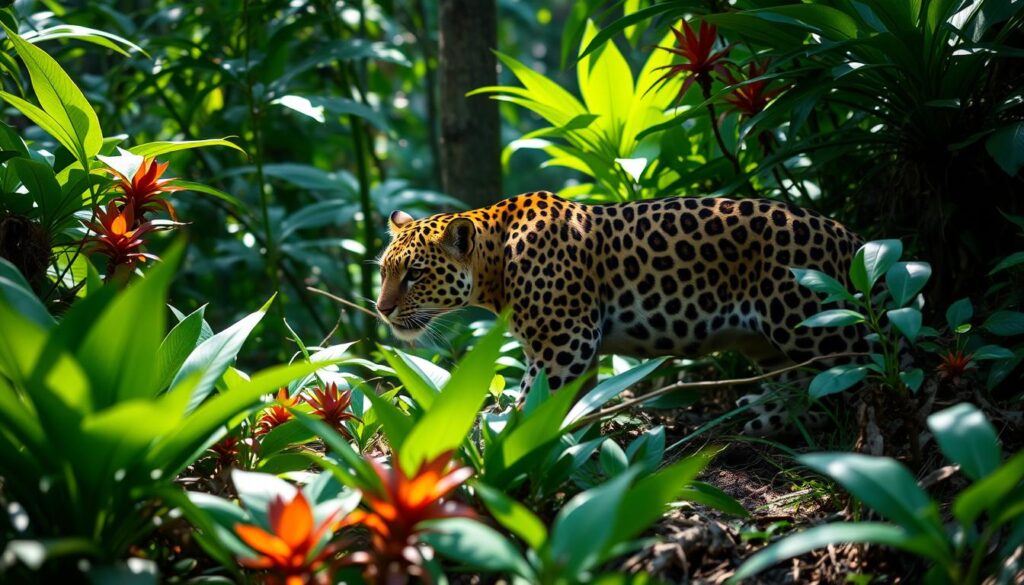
(153, 149)
(821, 536)
(84, 33)
(451, 416)
(885, 486)
(1005, 323)
(606, 84)
(208, 190)
(906, 279)
(967, 439)
(992, 352)
(822, 283)
(646, 501)
(836, 379)
(315, 106)
(178, 344)
(913, 379)
(1006, 147)
(987, 493)
(873, 260)
(16, 293)
(907, 320)
(41, 183)
(118, 351)
(610, 388)
(61, 99)
(415, 382)
(959, 313)
(1009, 262)
(513, 516)
(587, 513)
(213, 356)
(475, 545)
(396, 424)
(281, 437)
(613, 458)
(833, 318)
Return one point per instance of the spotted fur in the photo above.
(680, 276)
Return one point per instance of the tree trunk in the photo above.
(470, 127)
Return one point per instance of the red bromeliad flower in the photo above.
(394, 514)
(955, 364)
(142, 192)
(332, 407)
(289, 552)
(117, 237)
(700, 58)
(276, 414)
(226, 450)
(751, 98)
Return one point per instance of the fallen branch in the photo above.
(593, 417)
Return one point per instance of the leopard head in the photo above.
(425, 271)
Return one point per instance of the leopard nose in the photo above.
(385, 310)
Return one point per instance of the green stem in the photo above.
(270, 255)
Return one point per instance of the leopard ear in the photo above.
(399, 219)
(458, 237)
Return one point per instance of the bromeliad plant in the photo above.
(890, 317)
(92, 426)
(987, 516)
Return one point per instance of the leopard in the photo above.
(682, 276)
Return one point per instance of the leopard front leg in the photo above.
(563, 356)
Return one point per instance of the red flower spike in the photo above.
(955, 364)
(117, 237)
(751, 98)
(142, 192)
(394, 514)
(226, 450)
(289, 550)
(700, 58)
(332, 407)
(276, 414)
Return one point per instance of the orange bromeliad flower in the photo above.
(276, 414)
(289, 552)
(117, 237)
(332, 407)
(697, 48)
(142, 191)
(393, 515)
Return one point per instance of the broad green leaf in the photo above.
(646, 501)
(1009, 262)
(208, 190)
(836, 379)
(613, 459)
(84, 33)
(822, 283)
(906, 279)
(838, 533)
(61, 99)
(119, 349)
(610, 388)
(359, 473)
(967, 439)
(873, 260)
(451, 416)
(833, 318)
(290, 434)
(475, 545)
(44, 120)
(587, 513)
(959, 312)
(178, 344)
(885, 486)
(316, 106)
(1006, 146)
(41, 183)
(907, 320)
(1005, 323)
(153, 149)
(513, 516)
(992, 352)
(213, 356)
(912, 379)
(560, 106)
(987, 493)
(606, 84)
(415, 382)
(648, 449)
(16, 293)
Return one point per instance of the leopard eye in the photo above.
(413, 274)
